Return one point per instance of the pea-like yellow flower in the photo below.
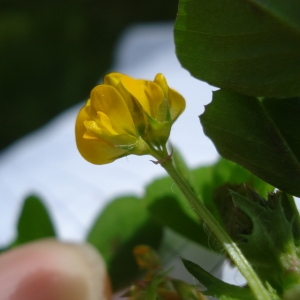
(126, 116)
(160, 104)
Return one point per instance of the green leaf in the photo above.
(287, 11)
(225, 172)
(34, 222)
(251, 47)
(215, 287)
(180, 222)
(265, 248)
(122, 225)
(260, 135)
(163, 196)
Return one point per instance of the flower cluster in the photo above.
(127, 116)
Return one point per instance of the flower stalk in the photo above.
(256, 286)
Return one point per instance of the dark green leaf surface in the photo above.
(122, 225)
(287, 11)
(34, 222)
(215, 287)
(262, 136)
(251, 47)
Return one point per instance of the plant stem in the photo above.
(234, 252)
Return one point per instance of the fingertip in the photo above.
(52, 270)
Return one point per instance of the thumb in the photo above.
(52, 270)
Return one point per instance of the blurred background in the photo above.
(54, 52)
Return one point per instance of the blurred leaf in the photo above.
(215, 287)
(180, 222)
(287, 12)
(163, 196)
(151, 290)
(251, 47)
(234, 220)
(122, 225)
(34, 222)
(260, 135)
(181, 165)
(223, 172)
(187, 291)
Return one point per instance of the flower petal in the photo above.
(147, 93)
(94, 149)
(113, 79)
(161, 81)
(107, 99)
(177, 104)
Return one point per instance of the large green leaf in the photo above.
(251, 47)
(122, 225)
(34, 222)
(260, 135)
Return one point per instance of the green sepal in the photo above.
(158, 132)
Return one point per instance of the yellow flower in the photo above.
(104, 127)
(161, 105)
(126, 116)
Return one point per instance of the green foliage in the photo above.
(34, 222)
(122, 225)
(215, 287)
(266, 231)
(261, 135)
(251, 50)
(251, 47)
(163, 196)
(270, 244)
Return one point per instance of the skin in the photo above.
(52, 270)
